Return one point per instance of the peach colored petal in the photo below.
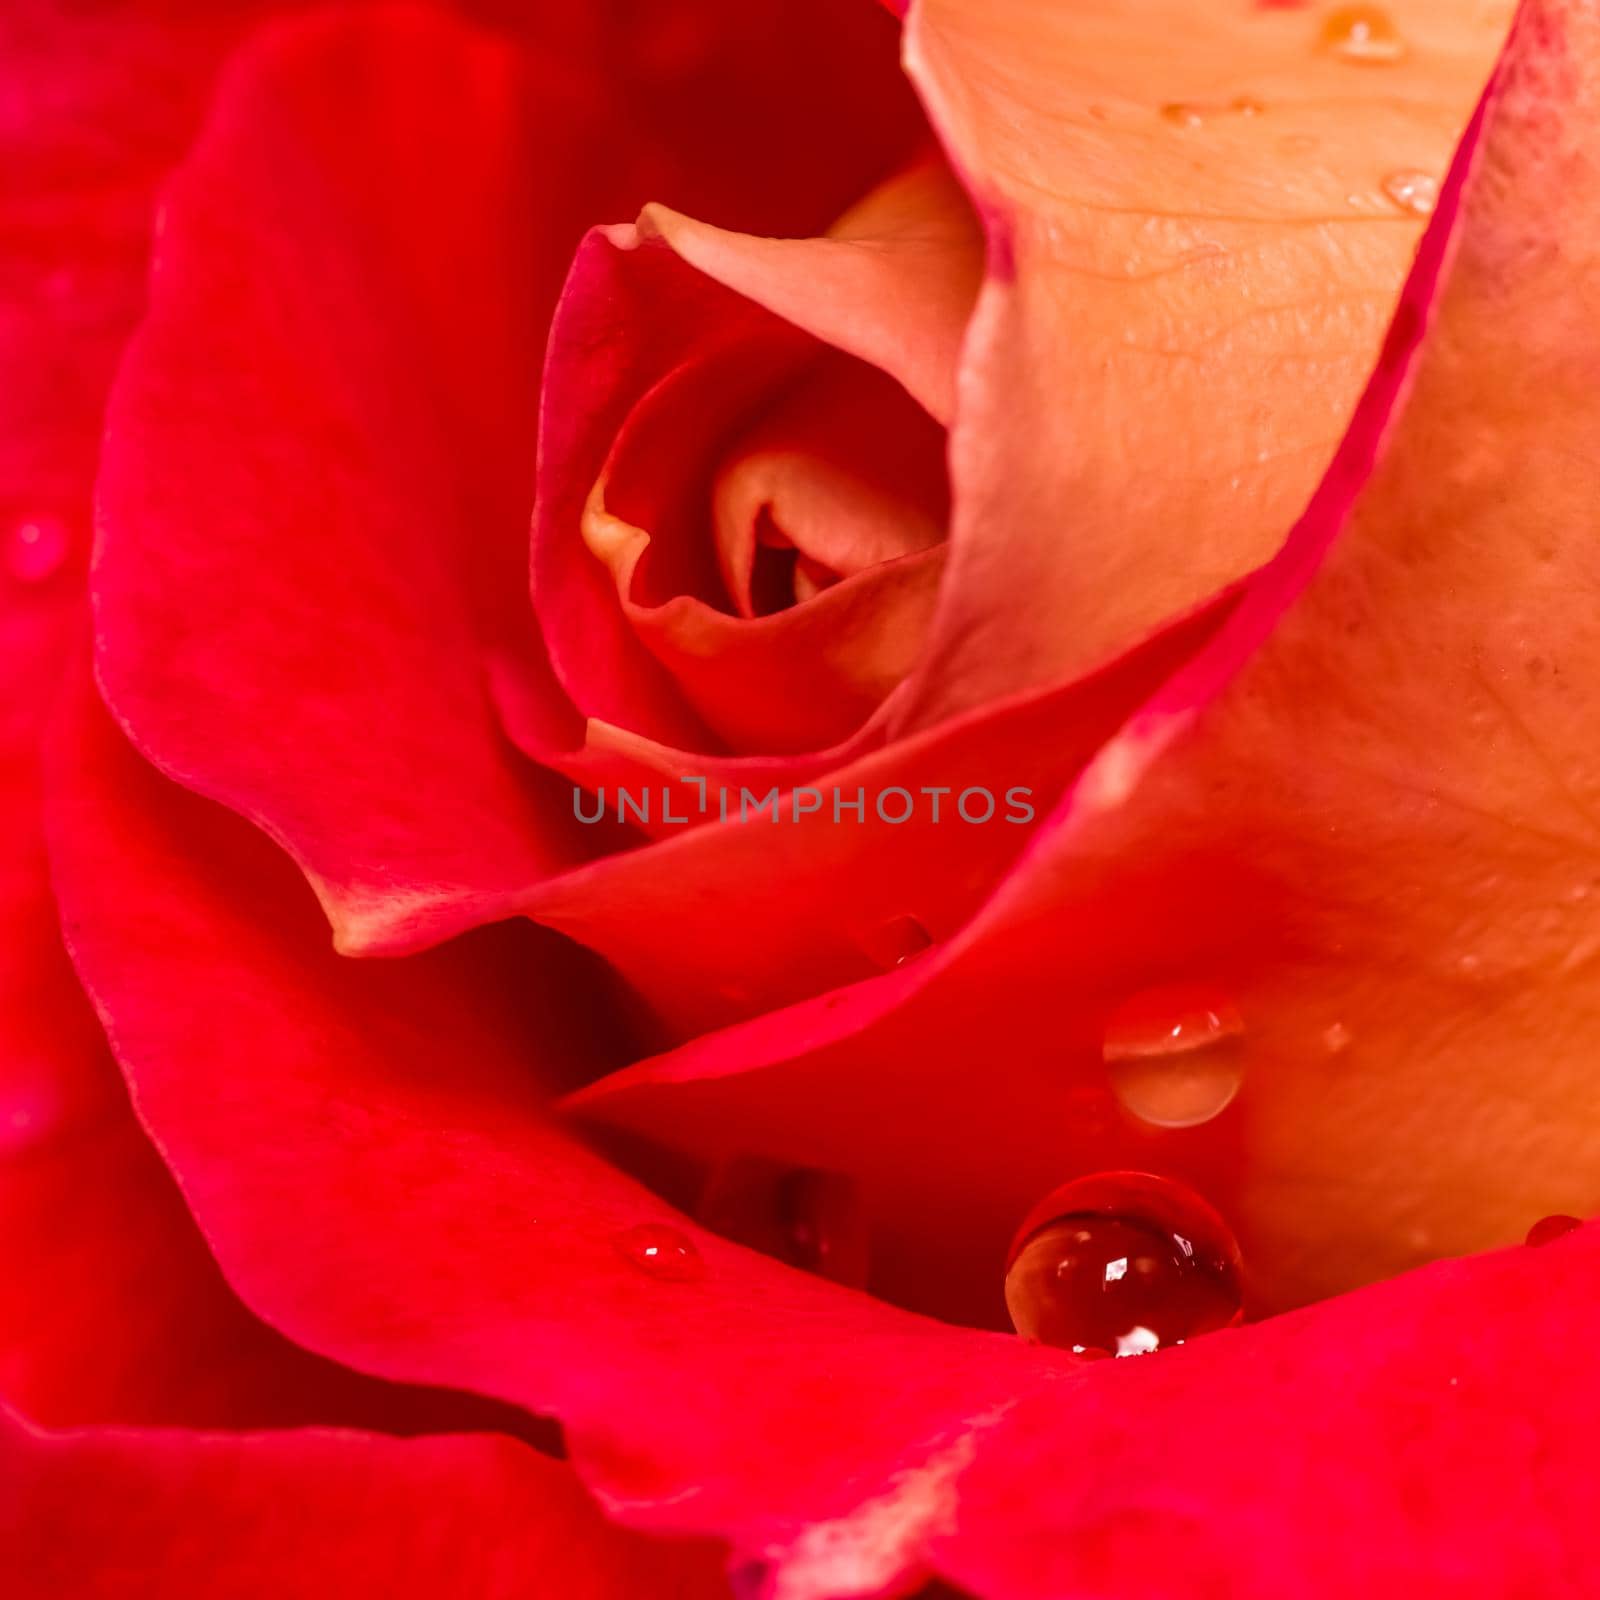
(893, 281)
(1192, 258)
(821, 474)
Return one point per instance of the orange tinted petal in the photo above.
(1180, 308)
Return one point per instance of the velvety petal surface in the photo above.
(116, 1512)
(1193, 255)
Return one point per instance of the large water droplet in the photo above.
(1416, 192)
(1122, 1262)
(661, 1251)
(1174, 1055)
(36, 547)
(811, 1219)
(1547, 1229)
(1365, 35)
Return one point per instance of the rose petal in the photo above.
(1177, 318)
(297, 597)
(1369, 829)
(116, 1512)
(820, 474)
(110, 1306)
(456, 1229)
(843, 1446)
(789, 902)
(892, 282)
(670, 303)
(806, 676)
(317, 475)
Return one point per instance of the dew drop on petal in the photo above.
(1336, 1039)
(1183, 116)
(36, 547)
(661, 1251)
(1247, 106)
(895, 942)
(1365, 35)
(1123, 1263)
(1547, 1229)
(1174, 1056)
(811, 1219)
(1416, 192)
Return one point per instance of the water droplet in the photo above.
(662, 1251)
(1365, 35)
(1125, 1263)
(1336, 1039)
(36, 547)
(810, 1219)
(1247, 106)
(895, 942)
(1183, 116)
(1548, 1228)
(1416, 192)
(1174, 1055)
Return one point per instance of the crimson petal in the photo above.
(113, 1512)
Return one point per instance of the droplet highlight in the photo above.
(1363, 35)
(1416, 192)
(894, 942)
(1548, 1229)
(36, 548)
(1174, 1056)
(1124, 1264)
(806, 1217)
(661, 1251)
(1183, 116)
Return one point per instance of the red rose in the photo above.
(1151, 713)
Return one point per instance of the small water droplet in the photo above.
(1547, 1229)
(1247, 106)
(1416, 192)
(1336, 1039)
(895, 942)
(1365, 35)
(661, 1251)
(1174, 1056)
(811, 1219)
(1125, 1263)
(1183, 116)
(36, 548)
